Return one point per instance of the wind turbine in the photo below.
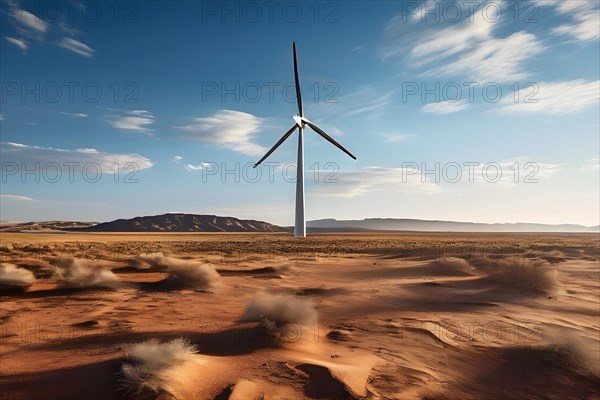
(300, 123)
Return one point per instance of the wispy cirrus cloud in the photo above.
(371, 179)
(193, 168)
(232, 130)
(591, 165)
(493, 59)
(17, 42)
(411, 178)
(471, 47)
(446, 107)
(514, 171)
(189, 167)
(77, 47)
(31, 155)
(32, 28)
(368, 101)
(73, 115)
(133, 120)
(15, 197)
(28, 25)
(584, 25)
(452, 40)
(553, 97)
(27, 21)
(395, 137)
(434, 41)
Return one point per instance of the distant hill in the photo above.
(387, 224)
(46, 226)
(182, 223)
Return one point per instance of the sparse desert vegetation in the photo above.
(184, 272)
(520, 273)
(394, 315)
(279, 313)
(150, 363)
(83, 273)
(12, 277)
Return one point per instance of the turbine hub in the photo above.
(299, 121)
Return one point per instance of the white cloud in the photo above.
(452, 40)
(139, 112)
(394, 138)
(31, 27)
(493, 60)
(74, 115)
(192, 168)
(176, 159)
(28, 20)
(512, 172)
(2, 117)
(371, 179)
(233, 130)
(370, 101)
(135, 120)
(446, 107)
(553, 97)
(466, 48)
(435, 43)
(68, 30)
(593, 165)
(77, 47)
(15, 197)
(585, 26)
(575, 6)
(410, 179)
(30, 155)
(17, 42)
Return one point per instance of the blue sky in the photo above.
(171, 95)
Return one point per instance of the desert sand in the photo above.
(270, 316)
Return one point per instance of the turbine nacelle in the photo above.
(300, 121)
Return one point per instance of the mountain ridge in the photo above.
(183, 222)
(409, 224)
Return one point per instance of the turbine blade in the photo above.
(283, 138)
(298, 94)
(328, 138)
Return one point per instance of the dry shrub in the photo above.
(83, 273)
(519, 273)
(12, 277)
(154, 259)
(150, 363)
(281, 315)
(189, 273)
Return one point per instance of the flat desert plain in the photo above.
(270, 316)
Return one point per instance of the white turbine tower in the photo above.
(300, 123)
